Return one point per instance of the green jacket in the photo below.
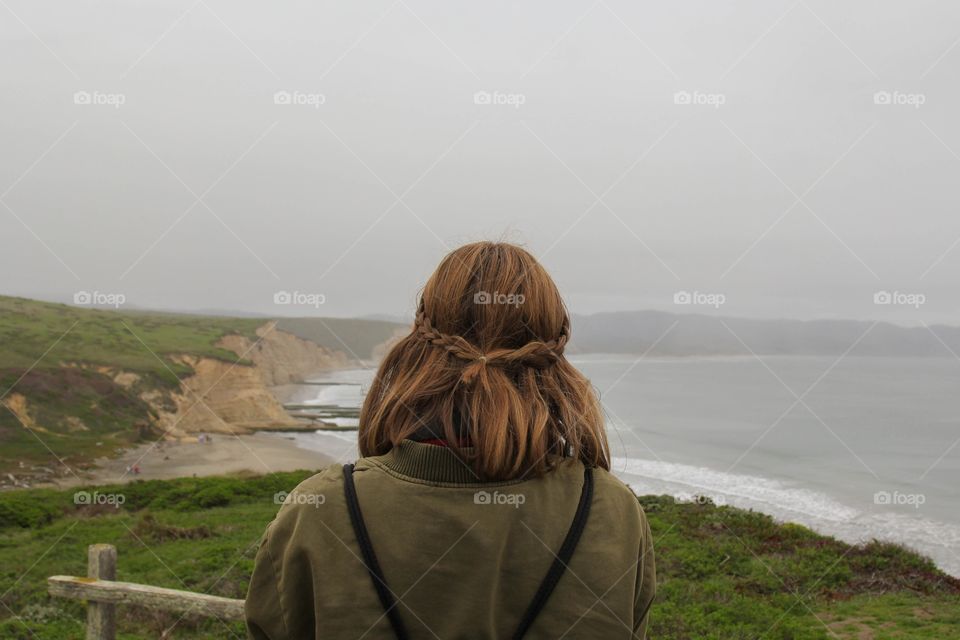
(463, 558)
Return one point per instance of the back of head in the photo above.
(484, 368)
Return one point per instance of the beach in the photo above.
(257, 453)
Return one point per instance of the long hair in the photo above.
(483, 368)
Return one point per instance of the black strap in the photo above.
(369, 557)
(562, 559)
(546, 587)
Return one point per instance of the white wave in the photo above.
(345, 395)
(734, 487)
(939, 540)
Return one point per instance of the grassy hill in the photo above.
(63, 360)
(125, 340)
(60, 359)
(724, 573)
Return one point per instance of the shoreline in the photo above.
(251, 451)
(256, 454)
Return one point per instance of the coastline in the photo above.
(253, 454)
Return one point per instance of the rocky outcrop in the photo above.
(17, 404)
(235, 397)
(220, 397)
(281, 357)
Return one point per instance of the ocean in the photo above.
(859, 448)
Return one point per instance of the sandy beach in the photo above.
(258, 453)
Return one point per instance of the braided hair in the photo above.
(536, 353)
(490, 378)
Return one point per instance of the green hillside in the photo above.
(52, 354)
(125, 340)
(723, 573)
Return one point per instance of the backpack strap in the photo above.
(562, 558)
(369, 557)
(549, 583)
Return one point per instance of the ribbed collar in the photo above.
(428, 462)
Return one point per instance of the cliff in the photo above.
(224, 397)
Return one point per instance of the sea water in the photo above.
(858, 448)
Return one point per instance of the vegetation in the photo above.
(723, 572)
(63, 360)
(127, 340)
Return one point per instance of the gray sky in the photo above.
(785, 184)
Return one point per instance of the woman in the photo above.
(482, 505)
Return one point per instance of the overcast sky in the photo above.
(639, 149)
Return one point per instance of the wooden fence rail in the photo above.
(102, 593)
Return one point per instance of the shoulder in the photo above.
(610, 491)
(328, 479)
(318, 496)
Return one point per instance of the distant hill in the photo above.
(357, 337)
(638, 331)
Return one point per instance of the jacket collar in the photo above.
(428, 462)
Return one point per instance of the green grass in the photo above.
(127, 340)
(56, 356)
(724, 573)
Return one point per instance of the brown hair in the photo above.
(484, 364)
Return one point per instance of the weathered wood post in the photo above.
(101, 616)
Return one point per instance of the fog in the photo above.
(797, 158)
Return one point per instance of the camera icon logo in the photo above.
(81, 497)
(482, 297)
(282, 97)
(882, 297)
(82, 297)
(482, 497)
(82, 97)
(882, 97)
(280, 497)
(682, 97)
(482, 97)
(282, 297)
(682, 297)
(881, 497)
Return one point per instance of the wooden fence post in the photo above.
(101, 616)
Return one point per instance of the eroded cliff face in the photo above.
(282, 358)
(220, 397)
(225, 397)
